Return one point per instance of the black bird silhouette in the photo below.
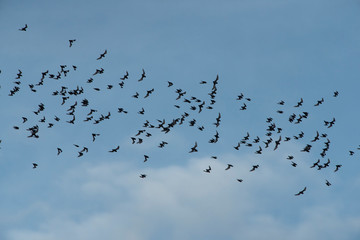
(35, 165)
(136, 95)
(254, 167)
(301, 192)
(125, 76)
(115, 149)
(315, 164)
(306, 148)
(239, 180)
(102, 55)
(327, 183)
(336, 93)
(218, 120)
(71, 41)
(142, 76)
(229, 166)
(170, 84)
(243, 107)
(319, 102)
(142, 111)
(259, 151)
(299, 103)
(246, 137)
(143, 175)
(193, 149)
(316, 137)
(149, 92)
(59, 150)
(94, 135)
(337, 167)
(277, 143)
(146, 157)
(24, 28)
(239, 97)
(208, 170)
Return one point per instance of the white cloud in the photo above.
(182, 202)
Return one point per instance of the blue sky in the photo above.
(267, 50)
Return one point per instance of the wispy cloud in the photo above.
(182, 202)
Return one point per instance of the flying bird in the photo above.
(193, 149)
(142, 76)
(115, 149)
(254, 167)
(301, 192)
(71, 41)
(24, 28)
(102, 55)
(229, 166)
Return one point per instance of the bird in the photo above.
(277, 143)
(290, 157)
(259, 151)
(71, 41)
(336, 93)
(146, 157)
(299, 103)
(208, 170)
(142, 76)
(193, 149)
(35, 165)
(239, 180)
(319, 102)
(316, 137)
(142, 111)
(229, 166)
(59, 150)
(24, 28)
(125, 76)
(143, 175)
(102, 55)
(94, 135)
(149, 92)
(315, 164)
(337, 167)
(115, 149)
(301, 192)
(254, 167)
(136, 95)
(327, 183)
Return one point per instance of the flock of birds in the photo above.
(273, 136)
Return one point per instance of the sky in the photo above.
(267, 50)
